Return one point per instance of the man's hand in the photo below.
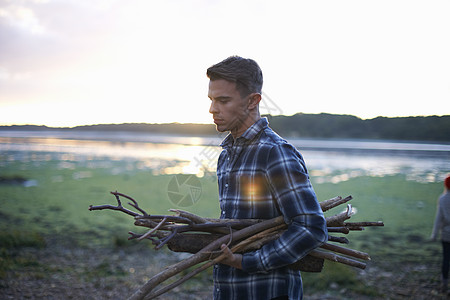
(231, 259)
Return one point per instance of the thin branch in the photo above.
(363, 224)
(175, 219)
(331, 203)
(194, 218)
(339, 239)
(338, 220)
(168, 238)
(337, 258)
(134, 204)
(343, 230)
(152, 230)
(119, 207)
(346, 251)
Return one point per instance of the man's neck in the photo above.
(245, 125)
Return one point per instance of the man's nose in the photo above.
(212, 108)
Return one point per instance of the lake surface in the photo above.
(327, 160)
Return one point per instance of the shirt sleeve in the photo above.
(289, 183)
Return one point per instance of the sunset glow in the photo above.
(67, 63)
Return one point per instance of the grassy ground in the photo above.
(47, 233)
(404, 263)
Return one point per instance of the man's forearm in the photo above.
(301, 237)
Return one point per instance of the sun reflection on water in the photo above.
(191, 158)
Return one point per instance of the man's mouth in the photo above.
(217, 120)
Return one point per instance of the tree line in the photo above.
(426, 128)
(429, 128)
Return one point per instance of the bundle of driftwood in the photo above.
(186, 232)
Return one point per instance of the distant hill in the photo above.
(168, 128)
(429, 128)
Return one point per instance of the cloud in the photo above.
(45, 41)
(21, 17)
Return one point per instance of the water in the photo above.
(327, 160)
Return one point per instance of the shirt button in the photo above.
(226, 185)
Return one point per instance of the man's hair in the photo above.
(245, 72)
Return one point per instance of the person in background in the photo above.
(442, 226)
(260, 176)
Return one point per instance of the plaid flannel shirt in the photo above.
(261, 176)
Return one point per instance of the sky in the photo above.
(77, 62)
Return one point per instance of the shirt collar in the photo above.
(249, 134)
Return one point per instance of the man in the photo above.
(260, 176)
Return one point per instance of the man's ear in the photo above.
(253, 100)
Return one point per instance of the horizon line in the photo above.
(209, 123)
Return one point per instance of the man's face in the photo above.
(229, 109)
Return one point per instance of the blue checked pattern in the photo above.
(261, 176)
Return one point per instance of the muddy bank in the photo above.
(78, 273)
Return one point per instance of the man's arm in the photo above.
(289, 183)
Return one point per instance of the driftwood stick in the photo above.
(337, 239)
(258, 240)
(152, 230)
(153, 295)
(363, 224)
(156, 218)
(343, 230)
(112, 207)
(215, 228)
(134, 204)
(133, 235)
(354, 228)
(346, 251)
(119, 207)
(333, 202)
(193, 217)
(338, 220)
(237, 223)
(146, 223)
(337, 258)
(167, 239)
